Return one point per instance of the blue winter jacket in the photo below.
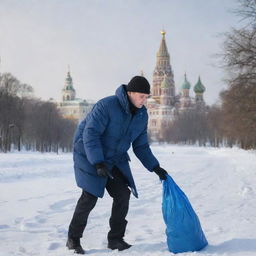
(105, 135)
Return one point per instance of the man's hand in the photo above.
(103, 171)
(160, 172)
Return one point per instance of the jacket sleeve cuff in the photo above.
(155, 168)
(99, 165)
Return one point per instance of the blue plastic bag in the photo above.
(183, 229)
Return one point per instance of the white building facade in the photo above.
(70, 106)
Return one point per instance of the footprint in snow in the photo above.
(40, 219)
(18, 220)
(54, 246)
(245, 191)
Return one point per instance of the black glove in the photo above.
(103, 171)
(160, 172)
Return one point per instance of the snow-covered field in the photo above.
(38, 195)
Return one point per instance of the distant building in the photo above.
(162, 107)
(165, 103)
(70, 106)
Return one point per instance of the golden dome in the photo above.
(163, 32)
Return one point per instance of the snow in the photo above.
(38, 195)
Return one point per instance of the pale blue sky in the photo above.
(106, 42)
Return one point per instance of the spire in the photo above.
(141, 73)
(162, 68)
(163, 52)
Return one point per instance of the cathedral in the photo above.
(70, 106)
(165, 103)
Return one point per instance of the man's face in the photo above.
(138, 99)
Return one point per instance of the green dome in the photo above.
(186, 84)
(199, 87)
(165, 83)
(70, 88)
(69, 79)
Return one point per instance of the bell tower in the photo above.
(162, 69)
(68, 92)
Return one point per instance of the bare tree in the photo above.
(216, 136)
(29, 122)
(247, 11)
(188, 127)
(239, 100)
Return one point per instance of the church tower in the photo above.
(163, 68)
(185, 100)
(71, 107)
(199, 90)
(68, 92)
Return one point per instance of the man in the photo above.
(101, 161)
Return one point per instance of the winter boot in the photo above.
(74, 244)
(119, 244)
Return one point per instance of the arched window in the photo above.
(153, 123)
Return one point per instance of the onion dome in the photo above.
(165, 83)
(186, 83)
(69, 82)
(199, 87)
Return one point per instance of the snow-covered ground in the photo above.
(38, 195)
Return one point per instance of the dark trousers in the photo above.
(119, 191)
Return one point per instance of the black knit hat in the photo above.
(138, 84)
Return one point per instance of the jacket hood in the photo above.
(122, 96)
